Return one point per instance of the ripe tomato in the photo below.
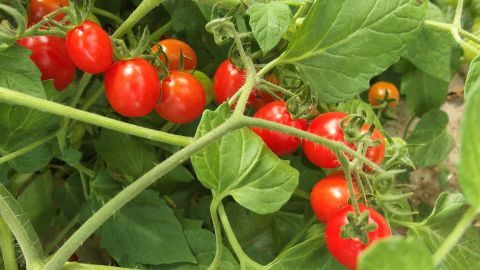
(381, 90)
(89, 47)
(41, 8)
(183, 98)
(132, 87)
(51, 58)
(329, 195)
(280, 143)
(326, 125)
(172, 48)
(346, 251)
(259, 98)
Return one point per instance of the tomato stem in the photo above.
(217, 260)
(27, 148)
(141, 11)
(299, 234)
(346, 168)
(117, 20)
(61, 236)
(7, 246)
(155, 36)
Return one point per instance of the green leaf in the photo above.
(410, 255)
(356, 106)
(433, 231)
(423, 91)
(70, 196)
(240, 165)
(468, 169)
(269, 22)
(434, 62)
(125, 155)
(168, 182)
(146, 231)
(342, 44)
(32, 161)
(37, 201)
(430, 139)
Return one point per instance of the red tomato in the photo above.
(259, 98)
(183, 98)
(132, 87)
(379, 91)
(345, 250)
(280, 143)
(90, 47)
(325, 125)
(329, 195)
(41, 8)
(51, 58)
(172, 48)
(328, 125)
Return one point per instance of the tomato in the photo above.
(346, 251)
(468, 54)
(206, 83)
(41, 8)
(229, 79)
(172, 48)
(50, 56)
(379, 91)
(328, 125)
(183, 98)
(280, 143)
(329, 195)
(132, 87)
(89, 47)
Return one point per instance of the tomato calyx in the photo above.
(358, 227)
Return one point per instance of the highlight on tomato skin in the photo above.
(173, 49)
(380, 91)
(347, 250)
(280, 143)
(330, 194)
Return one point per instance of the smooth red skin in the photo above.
(172, 48)
(325, 125)
(50, 56)
(346, 251)
(329, 195)
(227, 81)
(376, 153)
(183, 98)
(41, 8)
(280, 143)
(132, 87)
(89, 47)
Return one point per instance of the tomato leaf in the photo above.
(468, 169)
(448, 210)
(240, 165)
(342, 44)
(356, 106)
(424, 92)
(33, 160)
(269, 21)
(414, 255)
(70, 196)
(430, 140)
(435, 63)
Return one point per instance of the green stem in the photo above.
(27, 148)
(299, 234)
(452, 239)
(141, 11)
(17, 98)
(407, 127)
(84, 266)
(301, 194)
(278, 88)
(61, 236)
(218, 235)
(91, 99)
(457, 20)
(131, 191)
(155, 36)
(115, 19)
(7, 246)
(268, 67)
(346, 168)
(244, 259)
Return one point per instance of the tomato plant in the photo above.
(183, 98)
(132, 87)
(132, 166)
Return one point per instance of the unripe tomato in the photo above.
(379, 91)
(206, 83)
(89, 47)
(346, 250)
(132, 87)
(183, 98)
(329, 195)
(172, 49)
(280, 143)
(50, 56)
(41, 8)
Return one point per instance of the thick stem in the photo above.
(7, 246)
(141, 11)
(17, 98)
(268, 67)
(59, 238)
(455, 236)
(218, 235)
(84, 266)
(346, 168)
(27, 148)
(131, 191)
